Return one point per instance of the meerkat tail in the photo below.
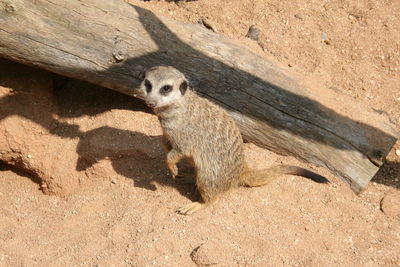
(262, 177)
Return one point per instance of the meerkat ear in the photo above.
(183, 87)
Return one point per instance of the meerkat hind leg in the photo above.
(194, 206)
(207, 198)
(191, 208)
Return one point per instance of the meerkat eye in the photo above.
(148, 86)
(165, 89)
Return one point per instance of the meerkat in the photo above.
(196, 129)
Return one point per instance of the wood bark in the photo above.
(110, 42)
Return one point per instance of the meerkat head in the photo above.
(162, 87)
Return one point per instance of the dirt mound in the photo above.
(30, 134)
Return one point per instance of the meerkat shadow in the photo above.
(133, 155)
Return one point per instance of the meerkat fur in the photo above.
(197, 129)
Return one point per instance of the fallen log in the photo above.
(110, 42)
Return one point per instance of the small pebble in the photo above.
(253, 33)
(390, 205)
(299, 16)
(398, 152)
(208, 24)
(325, 39)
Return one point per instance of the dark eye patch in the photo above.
(166, 89)
(183, 87)
(148, 86)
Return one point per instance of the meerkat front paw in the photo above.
(173, 169)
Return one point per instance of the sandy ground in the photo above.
(126, 215)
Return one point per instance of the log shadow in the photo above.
(388, 174)
(77, 98)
